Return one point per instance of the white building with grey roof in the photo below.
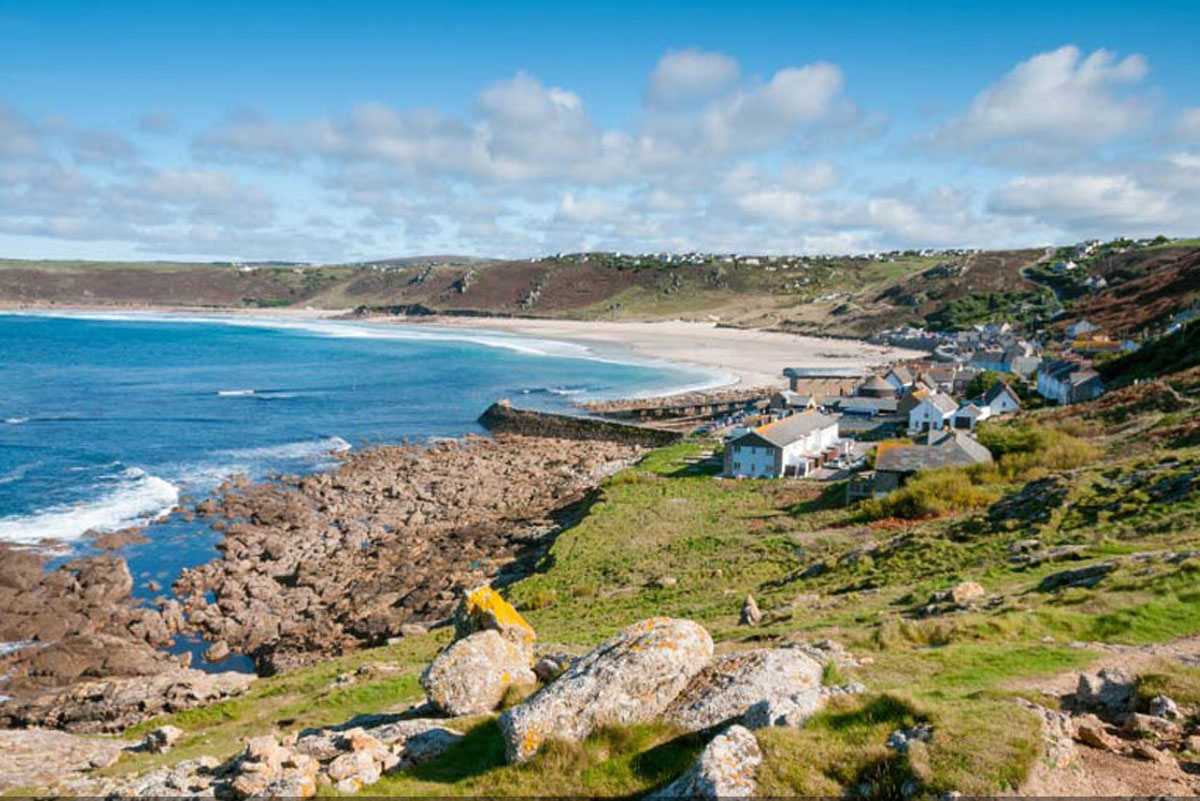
(793, 446)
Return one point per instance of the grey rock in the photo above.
(551, 666)
(726, 768)
(1111, 689)
(629, 678)
(472, 674)
(723, 691)
(161, 740)
(750, 616)
(791, 711)
(1162, 706)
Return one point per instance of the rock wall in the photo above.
(502, 417)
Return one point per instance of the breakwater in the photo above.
(503, 417)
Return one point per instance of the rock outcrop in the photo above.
(348, 759)
(113, 705)
(493, 650)
(77, 621)
(723, 691)
(381, 546)
(629, 678)
(726, 768)
(471, 676)
(36, 757)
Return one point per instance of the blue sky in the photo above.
(327, 131)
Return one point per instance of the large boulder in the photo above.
(725, 690)
(471, 676)
(726, 768)
(630, 678)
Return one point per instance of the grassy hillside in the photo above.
(1114, 483)
(845, 296)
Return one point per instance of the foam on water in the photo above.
(340, 329)
(135, 497)
(290, 450)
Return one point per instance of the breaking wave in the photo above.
(307, 449)
(135, 497)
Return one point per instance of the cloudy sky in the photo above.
(325, 131)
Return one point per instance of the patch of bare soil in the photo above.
(1117, 752)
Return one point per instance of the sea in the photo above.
(108, 420)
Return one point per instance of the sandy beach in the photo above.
(751, 358)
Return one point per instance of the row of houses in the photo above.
(804, 431)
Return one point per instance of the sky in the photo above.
(339, 131)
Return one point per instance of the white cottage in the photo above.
(1001, 399)
(932, 414)
(793, 446)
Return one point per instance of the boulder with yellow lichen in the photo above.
(483, 608)
(492, 650)
(629, 678)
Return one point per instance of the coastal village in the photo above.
(876, 428)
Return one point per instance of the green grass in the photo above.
(718, 540)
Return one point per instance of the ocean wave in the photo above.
(17, 473)
(135, 497)
(338, 329)
(227, 393)
(15, 421)
(306, 449)
(709, 377)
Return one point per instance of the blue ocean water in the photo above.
(109, 419)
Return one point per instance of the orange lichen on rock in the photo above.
(483, 608)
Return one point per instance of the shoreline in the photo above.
(731, 357)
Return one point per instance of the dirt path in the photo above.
(1074, 769)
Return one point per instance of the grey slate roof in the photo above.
(955, 449)
(998, 389)
(943, 402)
(875, 404)
(786, 431)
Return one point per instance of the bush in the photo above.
(930, 493)
(1026, 452)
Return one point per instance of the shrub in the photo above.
(930, 493)
(1026, 452)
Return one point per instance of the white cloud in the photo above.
(19, 138)
(1058, 98)
(765, 116)
(689, 76)
(1085, 203)
(590, 208)
(1188, 124)
(157, 122)
(101, 147)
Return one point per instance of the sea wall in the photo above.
(502, 417)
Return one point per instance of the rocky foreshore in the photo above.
(658, 669)
(382, 545)
(309, 567)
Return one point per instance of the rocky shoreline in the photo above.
(312, 566)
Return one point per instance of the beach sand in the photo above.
(751, 358)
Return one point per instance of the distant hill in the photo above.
(1142, 286)
(421, 261)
